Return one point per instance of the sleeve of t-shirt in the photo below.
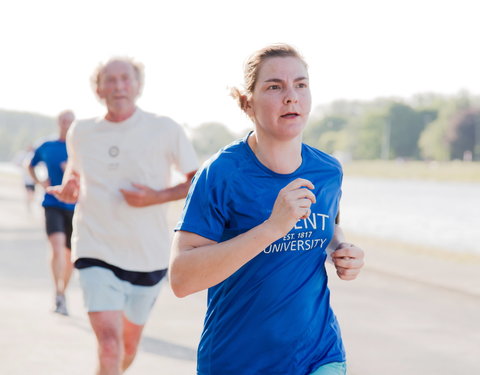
(37, 157)
(205, 212)
(72, 160)
(184, 156)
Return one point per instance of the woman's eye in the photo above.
(273, 87)
(302, 85)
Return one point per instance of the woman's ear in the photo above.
(247, 105)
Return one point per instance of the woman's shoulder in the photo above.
(317, 155)
(227, 161)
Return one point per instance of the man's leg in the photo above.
(131, 338)
(68, 268)
(61, 266)
(108, 328)
(60, 262)
(30, 192)
(113, 306)
(137, 309)
(68, 218)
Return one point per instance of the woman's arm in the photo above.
(198, 263)
(347, 258)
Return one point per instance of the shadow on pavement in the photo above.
(167, 349)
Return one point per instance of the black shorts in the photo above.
(30, 187)
(59, 220)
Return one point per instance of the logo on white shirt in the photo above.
(113, 151)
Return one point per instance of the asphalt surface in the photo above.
(410, 312)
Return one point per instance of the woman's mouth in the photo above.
(290, 115)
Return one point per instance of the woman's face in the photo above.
(281, 100)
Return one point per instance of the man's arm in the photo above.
(31, 170)
(145, 196)
(69, 189)
(31, 164)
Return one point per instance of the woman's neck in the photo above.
(282, 157)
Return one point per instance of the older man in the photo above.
(58, 215)
(119, 170)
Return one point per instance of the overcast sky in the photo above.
(193, 50)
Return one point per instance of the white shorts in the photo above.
(103, 291)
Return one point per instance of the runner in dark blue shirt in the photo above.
(58, 215)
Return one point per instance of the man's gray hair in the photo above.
(137, 67)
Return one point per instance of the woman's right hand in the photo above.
(292, 204)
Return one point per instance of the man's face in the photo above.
(65, 120)
(118, 86)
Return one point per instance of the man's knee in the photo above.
(58, 242)
(131, 338)
(110, 347)
(131, 348)
(107, 326)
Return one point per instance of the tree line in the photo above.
(424, 127)
(21, 130)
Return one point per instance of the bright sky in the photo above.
(194, 49)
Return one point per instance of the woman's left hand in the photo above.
(348, 260)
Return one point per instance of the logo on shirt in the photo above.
(113, 151)
(303, 236)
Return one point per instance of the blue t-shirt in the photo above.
(54, 155)
(273, 315)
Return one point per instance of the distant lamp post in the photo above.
(386, 140)
(476, 138)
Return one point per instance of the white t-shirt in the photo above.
(110, 156)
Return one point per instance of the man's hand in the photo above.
(67, 192)
(348, 260)
(142, 196)
(45, 184)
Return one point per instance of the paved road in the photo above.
(407, 314)
(33, 340)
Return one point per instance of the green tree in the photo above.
(332, 142)
(18, 130)
(464, 134)
(316, 129)
(433, 144)
(406, 125)
(436, 140)
(367, 135)
(210, 137)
